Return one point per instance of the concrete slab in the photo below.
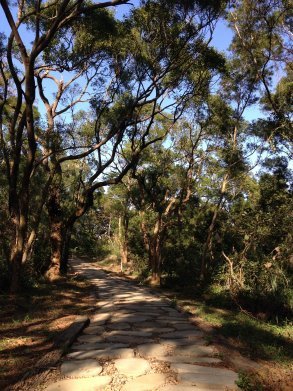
(132, 340)
(87, 338)
(94, 330)
(132, 366)
(81, 368)
(152, 350)
(189, 368)
(132, 333)
(98, 346)
(118, 326)
(148, 382)
(180, 387)
(89, 384)
(130, 318)
(183, 334)
(199, 375)
(194, 350)
(202, 381)
(99, 319)
(83, 355)
(107, 354)
(189, 359)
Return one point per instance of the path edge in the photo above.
(36, 376)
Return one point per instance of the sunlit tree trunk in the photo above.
(144, 230)
(16, 256)
(155, 253)
(56, 226)
(208, 243)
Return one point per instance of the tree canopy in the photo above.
(130, 134)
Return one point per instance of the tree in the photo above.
(167, 44)
(262, 42)
(226, 131)
(164, 185)
(151, 73)
(19, 127)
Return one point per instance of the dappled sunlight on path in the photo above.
(137, 341)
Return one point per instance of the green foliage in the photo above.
(88, 38)
(190, 201)
(248, 382)
(261, 44)
(140, 267)
(257, 339)
(87, 232)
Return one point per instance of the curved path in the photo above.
(137, 342)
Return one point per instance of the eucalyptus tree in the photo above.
(257, 241)
(263, 42)
(227, 139)
(19, 130)
(159, 61)
(149, 60)
(262, 47)
(163, 187)
(119, 209)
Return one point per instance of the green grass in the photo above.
(4, 343)
(256, 339)
(248, 382)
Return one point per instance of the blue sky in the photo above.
(221, 40)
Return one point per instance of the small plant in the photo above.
(208, 340)
(174, 302)
(3, 344)
(27, 318)
(248, 382)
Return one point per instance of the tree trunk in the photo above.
(124, 253)
(28, 247)
(17, 248)
(123, 222)
(15, 259)
(19, 200)
(208, 242)
(53, 272)
(67, 232)
(155, 260)
(56, 228)
(155, 252)
(124, 239)
(144, 231)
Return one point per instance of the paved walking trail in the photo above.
(137, 342)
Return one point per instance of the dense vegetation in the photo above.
(131, 136)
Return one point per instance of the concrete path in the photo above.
(137, 342)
